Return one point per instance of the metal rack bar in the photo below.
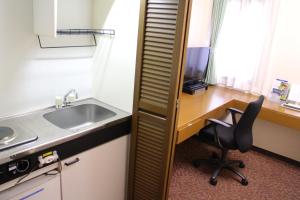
(92, 32)
(85, 31)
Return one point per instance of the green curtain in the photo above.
(218, 11)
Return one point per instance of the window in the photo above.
(244, 44)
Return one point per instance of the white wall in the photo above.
(114, 65)
(29, 79)
(200, 23)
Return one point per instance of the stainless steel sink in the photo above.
(76, 117)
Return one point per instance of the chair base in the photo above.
(222, 163)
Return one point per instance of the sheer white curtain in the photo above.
(244, 45)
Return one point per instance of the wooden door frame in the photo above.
(187, 19)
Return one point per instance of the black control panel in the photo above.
(23, 166)
(17, 168)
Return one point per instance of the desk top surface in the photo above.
(195, 106)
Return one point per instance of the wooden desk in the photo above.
(195, 109)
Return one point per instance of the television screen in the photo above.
(196, 63)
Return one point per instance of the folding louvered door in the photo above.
(159, 57)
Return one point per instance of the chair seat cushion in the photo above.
(225, 134)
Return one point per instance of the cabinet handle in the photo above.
(72, 162)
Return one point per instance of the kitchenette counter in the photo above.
(49, 135)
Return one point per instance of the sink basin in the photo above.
(76, 117)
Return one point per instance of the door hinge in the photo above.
(177, 103)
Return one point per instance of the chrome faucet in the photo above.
(66, 102)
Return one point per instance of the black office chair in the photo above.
(225, 136)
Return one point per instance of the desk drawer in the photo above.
(187, 131)
(191, 129)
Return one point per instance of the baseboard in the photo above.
(277, 156)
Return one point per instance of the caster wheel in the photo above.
(213, 181)
(242, 165)
(244, 182)
(196, 163)
(215, 155)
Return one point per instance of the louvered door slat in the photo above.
(161, 11)
(161, 16)
(163, 73)
(152, 101)
(158, 54)
(159, 40)
(164, 6)
(162, 26)
(161, 21)
(158, 59)
(148, 144)
(160, 35)
(160, 45)
(148, 168)
(147, 157)
(170, 2)
(148, 164)
(158, 129)
(155, 78)
(146, 151)
(157, 63)
(143, 194)
(156, 86)
(147, 174)
(149, 99)
(160, 92)
(157, 68)
(163, 31)
(146, 180)
(154, 98)
(148, 95)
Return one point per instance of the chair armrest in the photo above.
(216, 136)
(219, 122)
(234, 110)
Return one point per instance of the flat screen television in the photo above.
(196, 64)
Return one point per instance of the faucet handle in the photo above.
(71, 97)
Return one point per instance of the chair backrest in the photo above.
(243, 130)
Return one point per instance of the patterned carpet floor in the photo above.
(268, 177)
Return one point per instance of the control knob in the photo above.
(22, 165)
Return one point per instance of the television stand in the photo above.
(192, 87)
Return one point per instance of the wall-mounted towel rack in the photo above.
(92, 32)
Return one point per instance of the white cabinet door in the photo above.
(44, 187)
(96, 174)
